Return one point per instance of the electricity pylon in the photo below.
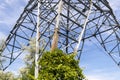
(101, 25)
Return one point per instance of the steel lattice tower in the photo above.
(101, 25)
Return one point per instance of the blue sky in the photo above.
(96, 63)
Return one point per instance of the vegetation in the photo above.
(6, 76)
(1, 46)
(54, 65)
(57, 65)
(2, 42)
(28, 71)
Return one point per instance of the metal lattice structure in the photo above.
(101, 25)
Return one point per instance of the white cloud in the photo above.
(10, 11)
(26, 1)
(98, 76)
(9, 1)
(115, 4)
(103, 74)
(92, 77)
(2, 6)
(2, 35)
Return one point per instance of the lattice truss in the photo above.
(102, 25)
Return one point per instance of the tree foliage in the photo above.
(57, 65)
(2, 44)
(29, 61)
(54, 65)
(7, 76)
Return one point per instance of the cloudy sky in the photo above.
(96, 64)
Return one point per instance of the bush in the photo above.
(57, 65)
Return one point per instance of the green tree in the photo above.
(6, 76)
(29, 61)
(27, 71)
(2, 44)
(57, 65)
